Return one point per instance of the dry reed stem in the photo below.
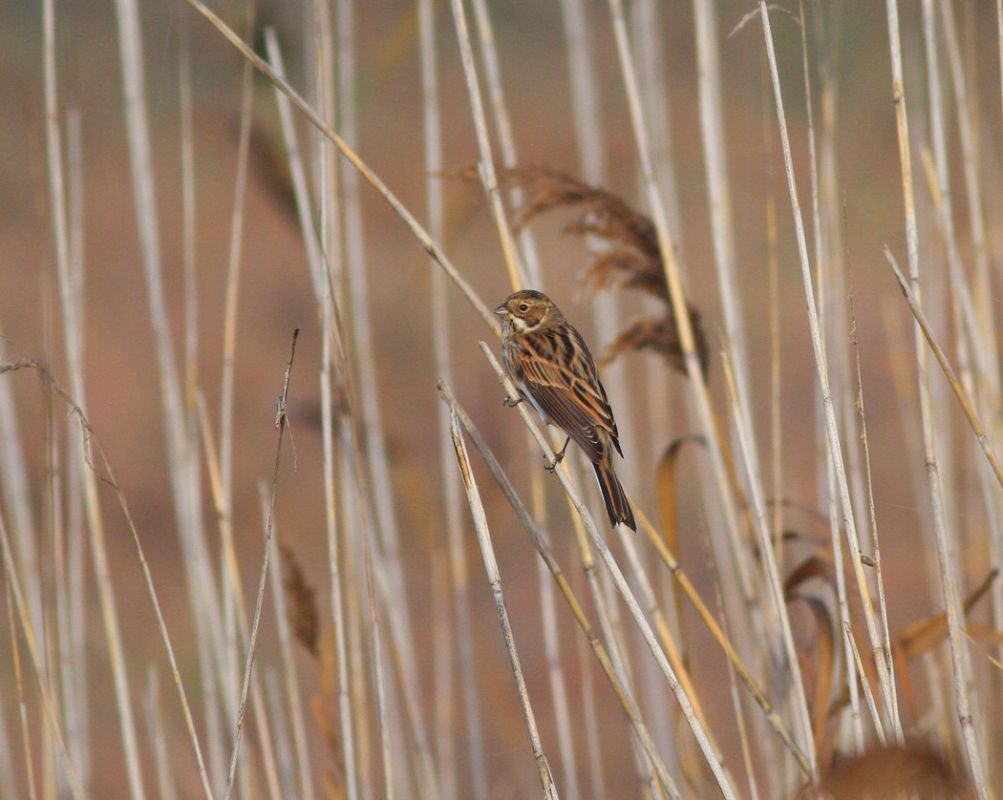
(52, 718)
(371, 177)
(301, 615)
(967, 406)
(486, 167)
(613, 672)
(382, 494)
(155, 726)
(451, 509)
(673, 278)
(680, 577)
(831, 428)
(89, 439)
(29, 761)
(280, 424)
(712, 758)
(959, 653)
(494, 579)
(712, 130)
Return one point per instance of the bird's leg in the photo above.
(558, 457)
(512, 402)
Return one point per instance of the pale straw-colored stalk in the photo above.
(210, 677)
(831, 427)
(966, 402)
(712, 133)
(417, 230)
(369, 407)
(516, 273)
(713, 759)
(774, 581)
(74, 356)
(952, 602)
(607, 658)
(290, 675)
(451, 499)
(494, 579)
(677, 297)
(506, 138)
(22, 706)
(281, 423)
(232, 595)
(348, 733)
(830, 316)
(48, 704)
(318, 275)
(280, 724)
(509, 157)
(166, 785)
(851, 645)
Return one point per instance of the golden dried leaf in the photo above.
(918, 637)
(668, 505)
(814, 566)
(825, 662)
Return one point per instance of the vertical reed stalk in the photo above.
(494, 579)
(959, 651)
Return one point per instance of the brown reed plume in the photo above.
(630, 259)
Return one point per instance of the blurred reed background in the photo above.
(231, 569)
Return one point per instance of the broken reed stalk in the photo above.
(353, 718)
(613, 671)
(494, 579)
(959, 652)
(280, 424)
(713, 759)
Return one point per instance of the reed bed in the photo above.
(747, 207)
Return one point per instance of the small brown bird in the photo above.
(550, 364)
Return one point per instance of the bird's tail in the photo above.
(612, 494)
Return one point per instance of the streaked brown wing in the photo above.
(558, 371)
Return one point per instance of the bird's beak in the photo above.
(502, 310)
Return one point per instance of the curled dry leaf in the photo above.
(631, 260)
(885, 773)
(301, 605)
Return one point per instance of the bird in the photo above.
(551, 366)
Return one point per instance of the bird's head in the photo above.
(527, 310)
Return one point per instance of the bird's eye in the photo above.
(523, 308)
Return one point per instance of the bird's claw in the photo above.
(511, 402)
(558, 457)
(551, 465)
